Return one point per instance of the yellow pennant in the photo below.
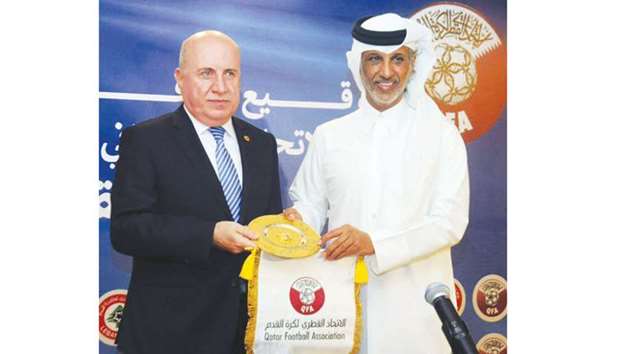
(361, 272)
(247, 270)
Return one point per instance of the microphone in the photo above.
(453, 327)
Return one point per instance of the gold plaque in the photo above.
(284, 238)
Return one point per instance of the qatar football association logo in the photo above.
(468, 81)
(492, 343)
(490, 297)
(307, 296)
(460, 297)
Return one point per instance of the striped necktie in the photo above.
(227, 174)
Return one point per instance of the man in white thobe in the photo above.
(392, 180)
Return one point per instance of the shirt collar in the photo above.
(391, 118)
(394, 112)
(201, 128)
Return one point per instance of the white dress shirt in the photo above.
(401, 176)
(209, 144)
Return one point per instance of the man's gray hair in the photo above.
(182, 53)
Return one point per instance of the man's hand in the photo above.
(292, 214)
(233, 237)
(347, 241)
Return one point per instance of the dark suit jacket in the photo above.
(184, 294)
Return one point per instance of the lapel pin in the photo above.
(246, 138)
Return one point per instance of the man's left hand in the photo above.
(347, 241)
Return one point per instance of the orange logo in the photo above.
(468, 81)
(490, 298)
(460, 297)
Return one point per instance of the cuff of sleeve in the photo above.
(396, 250)
(388, 254)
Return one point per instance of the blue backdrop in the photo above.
(294, 78)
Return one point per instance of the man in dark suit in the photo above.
(186, 184)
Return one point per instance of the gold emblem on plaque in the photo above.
(284, 238)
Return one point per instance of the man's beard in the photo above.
(382, 98)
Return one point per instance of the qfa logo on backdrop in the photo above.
(468, 81)
(111, 306)
(490, 298)
(461, 297)
(492, 343)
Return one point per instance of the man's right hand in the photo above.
(233, 237)
(292, 214)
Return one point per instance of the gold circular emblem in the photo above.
(284, 238)
(492, 343)
(468, 80)
(490, 297)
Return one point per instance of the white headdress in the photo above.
(386, 33)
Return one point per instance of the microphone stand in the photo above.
(456, 331)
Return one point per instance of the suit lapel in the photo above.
(190, 144)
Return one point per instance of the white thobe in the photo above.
(401, 176)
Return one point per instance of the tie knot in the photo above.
(218, 133)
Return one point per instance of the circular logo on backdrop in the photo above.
(460, 297)
(111, 306)
(492, 343)
(307, 295)
(490, 298)
(468, 81)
